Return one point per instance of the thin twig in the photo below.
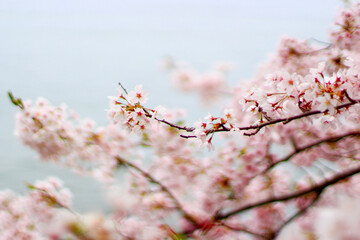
(123, 88)
(188, 129)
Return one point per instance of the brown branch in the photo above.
(187, 136)
(348, 97)
(149, 115)
(317, 188)
(188, 129)
(314, 144)
(307, 147)
(258, 127)
(162, 186)
(295, 216)
(242, 229)
(301, 149)
(289, 119)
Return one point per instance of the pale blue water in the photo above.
(76, 52)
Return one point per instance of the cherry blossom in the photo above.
(284, 159)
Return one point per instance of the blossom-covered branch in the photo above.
(318, 188)
(329, 140)
(300, 108)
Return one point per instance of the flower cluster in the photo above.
(210, 85)
(45, 129)
(213, 124)
(71, 142)
(26, 217)
(347, 33)
(128, 110)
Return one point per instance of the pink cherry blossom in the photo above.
(284, 159)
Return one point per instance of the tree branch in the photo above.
(314, 144)
(317, 188)
(188, 129)
(295, 216)
(289, 119)
(258, 127)
(306, 147)
(242, 229)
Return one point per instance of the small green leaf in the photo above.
(178, 236)
(16, 101)
(30, 186)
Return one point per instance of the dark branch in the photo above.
(296, 215)
(188, 129)
(243, 229)
(258, 127)
(348, 97)
(289, 119)
(314, 144)
(317, 188)
(124, 89)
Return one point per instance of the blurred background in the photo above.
(76, 52)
